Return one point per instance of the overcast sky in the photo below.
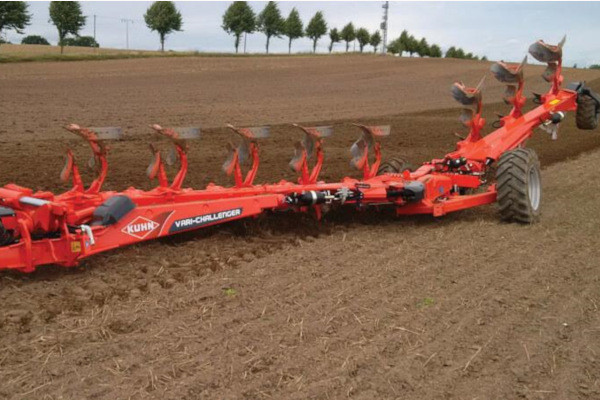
(500, 30)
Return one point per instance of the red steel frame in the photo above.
(57, 229)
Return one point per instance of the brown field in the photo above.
(362, 306)
(40, 50)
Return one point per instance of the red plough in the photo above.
(43, 228)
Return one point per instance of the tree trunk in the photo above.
(290, 46)
(268, 38)
(237, 43)
(315, 45)
(330, 46)
(162, 42)
(347, 45)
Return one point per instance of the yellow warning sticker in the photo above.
(554, 102)
(76, 247)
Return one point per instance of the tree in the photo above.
(239, 19)
(81, 41)
(435, 51)
(269, 22)
(68, 19)
(395, 47)
(164, 18)
(293, 28)
(411, 45)
(316, 28)
(13, 15)
(35, 39)
(334, 36)
(348, 34)
(451, 52)
(404, 40)
(484, 58)
(423, 48)
(363, 36)
(375, 40)
(460, 53)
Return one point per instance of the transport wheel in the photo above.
(587, 113)
(519, 186)
(394, 166)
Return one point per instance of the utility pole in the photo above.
(94, 27)
(127, 21)
(384, 26)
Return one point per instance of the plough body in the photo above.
(43, 228)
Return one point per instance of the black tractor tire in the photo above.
(395, 165)
(587, 113)
(519, 186)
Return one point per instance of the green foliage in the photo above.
(13, 15)
(435, 51)
(348, 34)
(411, 45)
(68, 19)
(375, 40)
(407, 42)
(335, 37)
(395, 47)
(595, 66)
(230, 292)
(316, 28)
(164, 18)
(457, 52)
(293, 27)
(484, 58)
(426, 302)
(2, 40)
(35, 39)
(81, 41)
(422, 48)
(239, 19)
(363, 36)
(270, 23)
(404, 37)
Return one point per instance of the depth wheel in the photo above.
(519, 186)
(395, 165)
(587, 113)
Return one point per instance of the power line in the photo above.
(127, 21)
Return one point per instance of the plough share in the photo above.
(44, 228)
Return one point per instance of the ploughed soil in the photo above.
(360, 305)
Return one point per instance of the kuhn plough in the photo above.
(43, 228)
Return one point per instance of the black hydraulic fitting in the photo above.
(309, 198)
(412, 191)
(455, 163)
